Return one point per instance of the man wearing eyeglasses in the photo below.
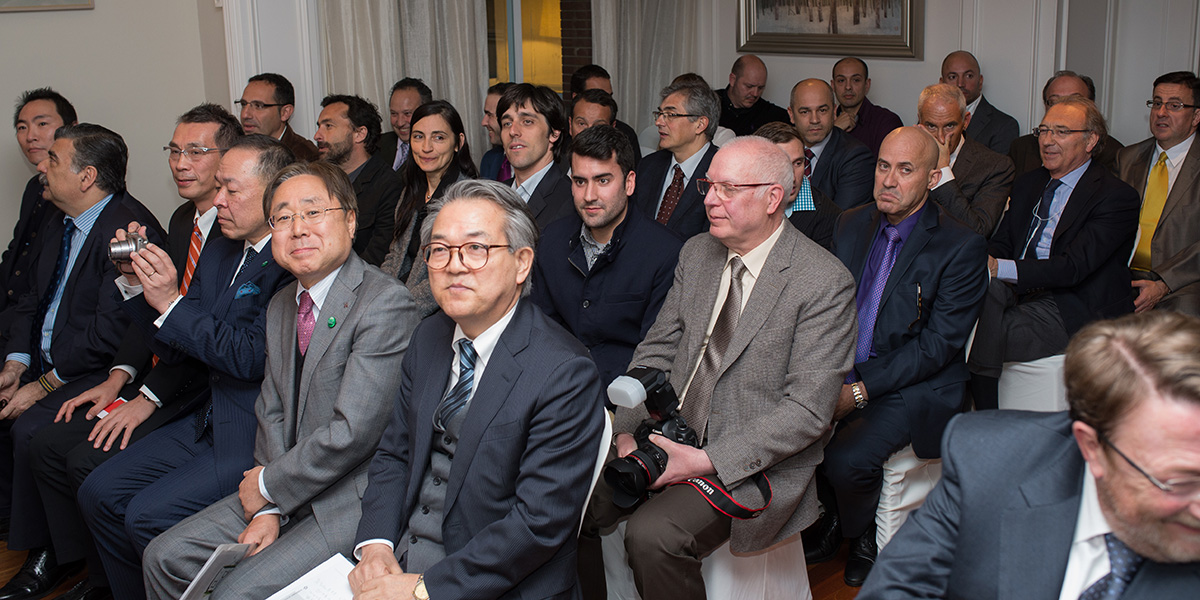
(1060, 257)
(1100, 502)
(1165, 170)
(1024, 150)
(480, 479)
(267, 105)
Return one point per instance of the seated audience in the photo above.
(1024, 151)
(267, 105)
(493, 165)
(477, 488)
(532, 127)
(407, 95)
(743, 109)
(808, 209)
(838, 165)
(856, 114)
(1099, 502)
(989, 126)
(595, 77)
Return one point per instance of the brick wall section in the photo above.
(576, 38)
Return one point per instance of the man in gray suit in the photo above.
(1165, 170)
(975, 181)
(1098, 503)
(335, 341)
(759, 381)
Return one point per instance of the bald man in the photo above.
(743, 108)
(910, 375)
(989, 126)
(1026, 155)
(838, 165)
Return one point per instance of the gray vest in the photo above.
(424, 535)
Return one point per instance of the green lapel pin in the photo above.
(332, 322)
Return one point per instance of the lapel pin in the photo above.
(332, 322)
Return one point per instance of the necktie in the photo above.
(251, 254)
(305, 322)
(506, 171)
(457, 398)
(808, 158)
(1124, 565)
(870, 306)
(401, 155)
(804, 199)
(671, 198)
(1041, 218)
(699, 394)
(57, 279)
(205, 413)
(1157, 187)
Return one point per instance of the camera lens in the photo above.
(628, 479)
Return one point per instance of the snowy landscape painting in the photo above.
(890, 28)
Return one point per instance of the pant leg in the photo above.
(174, 558)
(667, 537)
(987, 350)
(49, 452)
(1035, 330)
(854, 459)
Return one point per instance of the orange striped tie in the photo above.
(190, 269)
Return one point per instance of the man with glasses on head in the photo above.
(1059, 259)
(479, 483)
(1165, 170)
(267, 105)
(1100, 502)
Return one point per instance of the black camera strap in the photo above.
(715, 493)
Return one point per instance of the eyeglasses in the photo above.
(472, 255)
(1057, 132)
(193, 152)
(311, 216)
(1173, 106)
(670, 116)
(256, 105)
(724, 189)
(1183, 488)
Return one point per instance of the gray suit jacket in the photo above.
(315, 445)
(977, 194)
(1001, 521)
(1175, 248)
(992, 128)
(781, 376)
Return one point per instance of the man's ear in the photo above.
(285, 112)
(1090, 446)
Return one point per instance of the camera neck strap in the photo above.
(715, 493)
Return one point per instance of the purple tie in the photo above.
(870, 309)
(305, 322)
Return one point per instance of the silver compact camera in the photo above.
(122, 251)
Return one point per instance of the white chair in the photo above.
(605, 442)
(1035, 385)
(907, 480)
(648, 140)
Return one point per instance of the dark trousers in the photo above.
(1013, 329)
(666, 537)
(854, 457)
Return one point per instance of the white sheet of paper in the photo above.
(327, 581)
(222, 561)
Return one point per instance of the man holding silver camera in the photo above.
(757, 334)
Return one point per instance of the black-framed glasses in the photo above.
(724, 189)
(1183, 488)
(1058, 132)
(472, 255)
(1173, 105)
(256, 105)
(670, 116)
(192, 152)
(311, 216)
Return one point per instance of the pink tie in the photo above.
(305, 323)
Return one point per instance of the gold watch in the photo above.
(419, 592)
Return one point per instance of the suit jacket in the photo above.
(489, 163)
(1087, 270)
(378, 190)
(1175, 247)
(300, 146)
(689, 217)
(551, 199)
(17, 262)
(992, 128)
(1026, 156)
(817, 224)
(386, 151)
(929, 306)
(89, 325)
(979, 191)
(632, 135)
(522, 468)
(1000, 522)
(845, 171)
(315, 445)
(780, 376)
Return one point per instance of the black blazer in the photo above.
(378, 190)
(1088, 269)
(18, 259)
(551, 199)
(386, 150)
(929, 306)
(689, 217)
(845, 170)
(818, 224)
(992, 128)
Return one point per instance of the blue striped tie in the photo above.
(457, 399)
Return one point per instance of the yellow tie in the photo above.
(1152, 206)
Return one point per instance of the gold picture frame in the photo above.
(40, 5)
(866, 28)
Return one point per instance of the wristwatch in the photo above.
(859, 402)
(419, 592)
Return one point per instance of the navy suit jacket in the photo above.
(522, 468)
(551, 200)
(18, 259)
(1088, 269)
(689, 217)
(1001, 521)
(378, 190)
(992, 128)
(845, 171)
(929, 306)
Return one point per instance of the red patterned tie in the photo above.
(190, 268)
(671, 198)
(808, 157)
(305, 322)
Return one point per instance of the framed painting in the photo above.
(876, 28)
(32, 5)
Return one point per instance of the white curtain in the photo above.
(643, 44)
(371, 44)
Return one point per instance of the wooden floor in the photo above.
(825, 578)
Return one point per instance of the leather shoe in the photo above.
(40, 574)
(862, 557)
(86, 591)
(822, 539)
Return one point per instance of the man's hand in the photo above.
(124, 418)
(10, 380)
(100, 396)
(26, 396)
(993, 267)
(682, 462)
(845, 122)
(262, 530)
(388, 587)
(845, 404)
(158, 276)
(625, 444)
(1149, 294)
(944, 151)
(377, 561)
(248, 492)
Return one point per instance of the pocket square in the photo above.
(247, 289)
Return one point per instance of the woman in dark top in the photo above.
(440, 157)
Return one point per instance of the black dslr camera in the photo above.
(630, 476)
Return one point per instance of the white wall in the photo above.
(131, 65)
